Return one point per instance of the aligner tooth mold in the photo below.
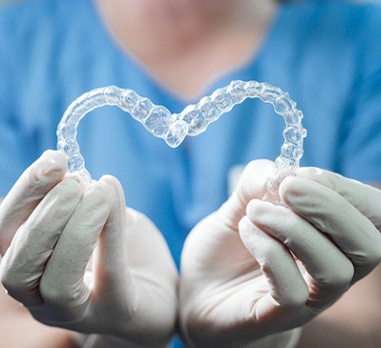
(193, 120)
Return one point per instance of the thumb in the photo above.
(112, 276)
(251, 185)
(27, 192)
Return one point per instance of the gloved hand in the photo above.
(253, 271)
(129, 289)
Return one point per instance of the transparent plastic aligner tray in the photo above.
(193, 120)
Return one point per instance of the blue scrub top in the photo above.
(325, 54)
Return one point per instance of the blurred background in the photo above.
(10, 1)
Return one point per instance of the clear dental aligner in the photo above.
(193, 120)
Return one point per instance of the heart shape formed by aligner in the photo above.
(193, 120)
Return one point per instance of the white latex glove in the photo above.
(55, 226)
(252, 270)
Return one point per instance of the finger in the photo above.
(252, 184)
(134, 273)
(62, 284)
(286, 284)
(364, 197)
(331, 271)
(353, 233)
(27, 192)
(25, 260)
(110, 251)
(130, 238)
(112, 248)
